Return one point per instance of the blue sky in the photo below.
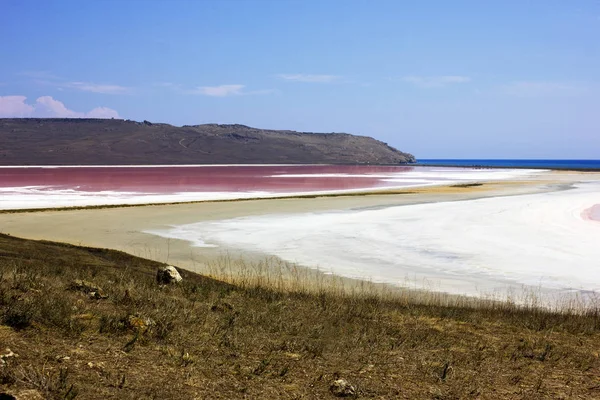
(441, 79)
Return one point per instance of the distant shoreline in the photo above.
(442, 163)
(512, 167)
(554, 165)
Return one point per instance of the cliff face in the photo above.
(33, 141)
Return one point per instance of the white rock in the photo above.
(342, 388)
(167, 275)
(9, 353)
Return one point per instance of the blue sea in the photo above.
(540, 164)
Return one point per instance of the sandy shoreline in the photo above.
(123, 228)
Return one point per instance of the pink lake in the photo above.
(41, 187)
(165, 179)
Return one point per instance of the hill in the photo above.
(53, 141)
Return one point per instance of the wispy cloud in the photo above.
(309, 78)
(98, 87)
(44, 75)
(45, 78)
(435, 81)
(219, 91)
(169, 85)
(543, 88)
(222, 90)
(47, 107)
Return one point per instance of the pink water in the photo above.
(206, 178)
(593, 213)
(51, 187)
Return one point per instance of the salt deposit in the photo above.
(469, 247)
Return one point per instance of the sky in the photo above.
(439, 79)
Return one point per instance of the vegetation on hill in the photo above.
(72, 141)
(94, 324)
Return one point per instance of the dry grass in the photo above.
(271, 335)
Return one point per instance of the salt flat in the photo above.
(480, 246)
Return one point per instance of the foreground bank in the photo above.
(209, 339)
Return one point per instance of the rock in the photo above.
(83, 317)
(293, 356)
(90, 288)
(139, 324)
(167, 275)
(98, 295)
(342, 388)
(8, 354)
(30, 394)
(98, 366)
(368, 368)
